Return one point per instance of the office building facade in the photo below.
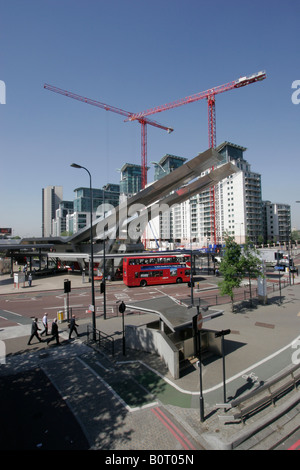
(239, 198)
(59, 224)
(51, 198)
(276, 222)
(72, 216)
(131, 179)
(237, 206)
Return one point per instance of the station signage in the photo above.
(199, 321)
(5, 231)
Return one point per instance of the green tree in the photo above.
(260, 240)
(66, 234)
(295, 236)
(231, 269)
(251, 264)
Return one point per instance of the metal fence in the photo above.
(200, 297)
(111, 312)
(242, 295)
(102, 340)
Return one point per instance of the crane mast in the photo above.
(143, 121)
(209, 95)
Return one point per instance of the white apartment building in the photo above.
(193, 219)
(237, 208)
(75, 221)
(59, 224)
(277, 222)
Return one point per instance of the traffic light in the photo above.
(67, 286)
(102, 287)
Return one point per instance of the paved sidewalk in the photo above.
(266, 331)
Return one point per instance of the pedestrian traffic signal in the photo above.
(67, 286)
(102, 287)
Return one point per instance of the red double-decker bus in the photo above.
(148, 270)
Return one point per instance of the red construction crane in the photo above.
(210, 96)
(143, 121)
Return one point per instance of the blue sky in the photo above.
(136, 55)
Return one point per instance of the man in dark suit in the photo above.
(34, 331)
(54, 332)
(73, 325)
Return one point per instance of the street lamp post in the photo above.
(197, 326)
(159, 165)
(75, 165)
(104, 262)
(192, 279)
(223, 333)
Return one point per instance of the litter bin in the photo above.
(60, 316)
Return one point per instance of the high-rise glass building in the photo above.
(166, 165)
(72, 216)
(131, 179)
(109, 194)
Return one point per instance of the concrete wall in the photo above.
(153, 341)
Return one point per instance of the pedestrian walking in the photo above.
(34, 331)
(72, 327)
(54, 332)
(29, 280)
(45, 323)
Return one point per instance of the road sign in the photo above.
(199, 321)
(279, 268)
(122, 307)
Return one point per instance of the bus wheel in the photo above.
(143, 283)
(178, 280)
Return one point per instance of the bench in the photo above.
(261, 396)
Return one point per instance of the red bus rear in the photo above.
(160, 269)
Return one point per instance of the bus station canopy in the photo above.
(193, 177)
(181, 177)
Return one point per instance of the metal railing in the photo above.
(242, 295)
(264, 394)
(203, 298)
(102, 340)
